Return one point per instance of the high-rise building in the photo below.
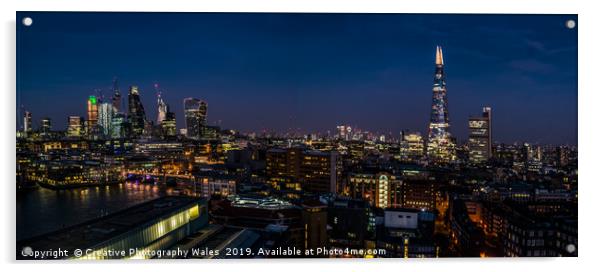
(314, 218)
(351, 222)
(119, 126)
(411, 146)
(282, 166)
(162, 109)
(45, 126)
(27, 122)
(309, 170)
(320, 171)
(106, 111)
(137, 116)
(380, 189)
(195, 112)
(168, 126)
(76, 126)
(344, 132)
(419, 194)
(562, 156)
(116, 97)
(92, 115)
(441, 147)
(479, 137)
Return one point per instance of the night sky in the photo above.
(309, 72)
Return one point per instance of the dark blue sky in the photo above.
(310, 71)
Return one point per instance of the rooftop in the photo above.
(93, 232)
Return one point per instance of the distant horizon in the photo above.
(309, 71)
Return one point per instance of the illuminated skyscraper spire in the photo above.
(441, 148)
(162, 107)
(439, 56)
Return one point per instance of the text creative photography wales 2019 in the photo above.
(295, 135)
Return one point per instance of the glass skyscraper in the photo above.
(119, 126)
(92, 115)
(75, 128)
(137, 116)
(105, 118)
(195, 112)
(27, 122)
(116, 100)
(441, 148)
(479, 138)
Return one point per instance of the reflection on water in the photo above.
(45, 210)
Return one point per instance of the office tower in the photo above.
(168, 126)
(282, 166)
(92, 114)
(350, 221)
(76, 126)
(479, 137)
(195, 112)
(309, 170)
(116, 97)
(419, 194)
(27, 122)
(320, 171)
(344, 132)
(137, 117)
(45, 126)
(381, 189)
(105, 118)
(119, 126)
(149, 129)
(526, 153)
(562, 156)
(314, 218)
(341, 132)
(441, 148)
(411, 146)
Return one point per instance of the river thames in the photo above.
(44, 210)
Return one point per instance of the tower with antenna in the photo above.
(440, 148)
(162, 107)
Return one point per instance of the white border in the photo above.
(588, 25)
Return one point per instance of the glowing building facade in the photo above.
(76, 126)
(27, 122)
(162, 109)
(45, 126)
(136, 232)
(440, 148)
(479, 138)
(195, 112)
(106, 112)
(119, 126)
(137, 116)
(168, 126)
(92, 114)
(411, 146)
(382, 190)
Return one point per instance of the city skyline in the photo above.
(548, 114)
(295, 136)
